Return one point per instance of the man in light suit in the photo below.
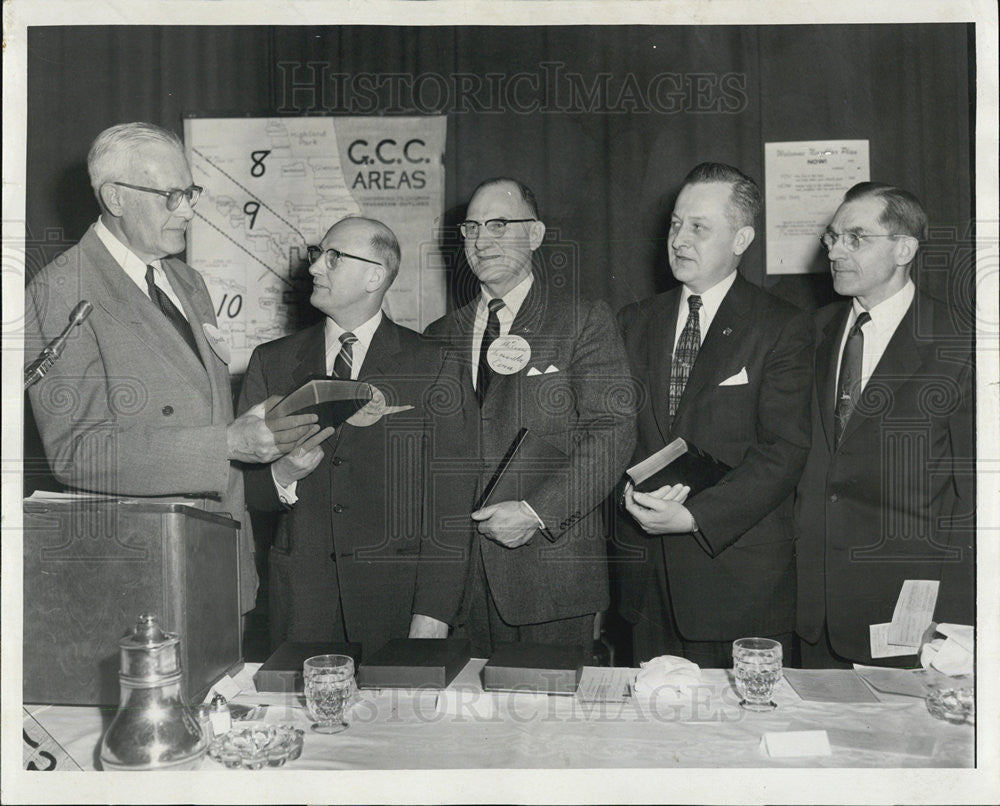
(727, 367)
(344, 562)
(888, 492)
(140, 402)
(538, 568)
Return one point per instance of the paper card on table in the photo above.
(909, 744)
(892, 681)
(881, 648)
(796, 744)
(914, 611)
(605, 684)
(227, 687)
(831, 685)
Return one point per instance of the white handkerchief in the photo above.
(533, 371)
(739, 379)
(551, 368)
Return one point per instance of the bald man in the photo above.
(343, 564)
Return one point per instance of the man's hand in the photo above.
(661, 512)
(302, 460)
(509, 523)
(427, 627)
(252, 438)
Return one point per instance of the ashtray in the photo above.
(252, 747)
(955, 705)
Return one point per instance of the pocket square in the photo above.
(552, 368)
(739, 379)
(533, 371)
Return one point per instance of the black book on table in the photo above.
(530, 461)
(283, 670)
(678, 462)
(332, 400)
(543, 668)
(415, 663)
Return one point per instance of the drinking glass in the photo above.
(757, 668)
(329, 683)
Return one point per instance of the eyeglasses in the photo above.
(851, 240)
(495, 226)
(333, 256)
(192, 194)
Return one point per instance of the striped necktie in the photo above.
(344, 361)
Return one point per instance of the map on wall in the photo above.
(274, 186)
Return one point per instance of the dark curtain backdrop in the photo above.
(605, 166)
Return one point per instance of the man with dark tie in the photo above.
(353, 500)
(140, 403)
(887, 493)
(533, 353)
(727, 367)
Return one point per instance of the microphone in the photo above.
(37, 369)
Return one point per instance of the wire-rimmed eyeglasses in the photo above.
(850, 239)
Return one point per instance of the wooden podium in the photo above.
(92, 566)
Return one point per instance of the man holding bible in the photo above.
(727, 367)
(533, 353)
(344, 561)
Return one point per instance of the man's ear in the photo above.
(742, 240)
(906, 249)
(111, 197)
(376, 278)
(536, 233)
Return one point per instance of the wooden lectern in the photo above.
(92, 566)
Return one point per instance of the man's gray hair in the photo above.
(111, 153)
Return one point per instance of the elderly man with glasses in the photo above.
(139, 403)
(887, 493)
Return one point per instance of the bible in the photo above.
(678, 462)
(330, 399)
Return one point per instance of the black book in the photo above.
(543, 668)
(530, 461)
(678, 462)
(330, 399)
(283, 670)
(415, 663)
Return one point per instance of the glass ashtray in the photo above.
(252, 747)
(955, 705)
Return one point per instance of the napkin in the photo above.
(666, 671)
(951, 655)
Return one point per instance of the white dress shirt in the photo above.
(512, 302)
(359, 350)
(134, 266)
(710, 302)
(885, 318)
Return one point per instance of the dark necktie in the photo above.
(849, 382)
(492, 331)
(685, 354)
(344, 361)
(171, 311)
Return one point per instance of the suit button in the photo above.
(168, 410)
(833, 498)
(333, 556)
(337, 461)
(338, 508)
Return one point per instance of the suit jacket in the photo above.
(129, 409)
(358, 523)
(895, 499)
(738, 576)
(586, 409)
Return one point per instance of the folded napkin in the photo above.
(666, 671)
(952, 654)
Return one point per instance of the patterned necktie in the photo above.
(173, 314)
(685, 354)
(485, 374)
(344, 361)
(849, 382)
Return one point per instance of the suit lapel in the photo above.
(659, 357)
(827, 352)
(123, 300)
(381, 358)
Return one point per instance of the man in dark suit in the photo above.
(344, 561)
(140, 402)
(888, 492)
(534, 354)
(727, 367)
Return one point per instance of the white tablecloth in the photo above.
(704, 727)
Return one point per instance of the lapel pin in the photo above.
(728, 331)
